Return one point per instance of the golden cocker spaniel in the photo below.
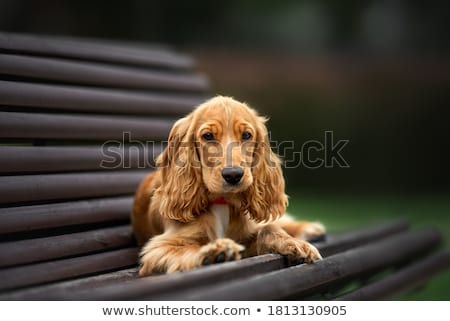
(217, 195)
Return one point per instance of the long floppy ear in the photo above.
(182, 194)
(266, 199)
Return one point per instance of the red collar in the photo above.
(220, 201)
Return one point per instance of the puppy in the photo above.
(217, 195)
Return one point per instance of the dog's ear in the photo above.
(182, 194)
(265, 199)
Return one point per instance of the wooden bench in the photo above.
(69, 109)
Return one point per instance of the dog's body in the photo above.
(217, 195)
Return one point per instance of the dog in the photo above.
(217, 195)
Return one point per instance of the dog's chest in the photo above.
(221, 214)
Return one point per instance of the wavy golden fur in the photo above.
(217, 195)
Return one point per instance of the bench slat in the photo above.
(153, 287)
(343, 241)
(301, 280)
(31, 159)
(94, 51)
(405, 279)
(55, 247)
(27, 188)
(56, 289)
(40, 273)
(76, 98)
(48, 126)
(39, 217)
(87, 73)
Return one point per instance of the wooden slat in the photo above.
(49, 126)
(86, 73)
(15, 189)
(405, 279)
(304, 279)
(337, 243)
(30, 159)
(153, 287)
(40, 273)
(47, 216)
(61, 246)
(93, 51)
(56, 290)
(101, 100)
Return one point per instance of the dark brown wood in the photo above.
(405, 279)
(57, 290)
(336, 243)
(41, 273)
(101, 100)
(88, 73)
(39, 217)
(31, 159)
(27, 188)
(302, 280)
(62, 246)
(49, 126)
(155, 286)
(103, 51)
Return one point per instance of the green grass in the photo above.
(343, 212)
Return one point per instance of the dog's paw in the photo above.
(298, 251)
(147, 267)
(221, 250)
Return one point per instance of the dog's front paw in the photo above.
(221, 250)
(298, 251)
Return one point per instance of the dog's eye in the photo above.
(208, 136)
(246, 136)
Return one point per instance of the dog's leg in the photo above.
(171, 253)
(272, 238)
(301, 229)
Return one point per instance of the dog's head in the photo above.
(221, 149)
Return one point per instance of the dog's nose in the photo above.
(232, 175)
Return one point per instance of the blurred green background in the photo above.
(375, 73)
